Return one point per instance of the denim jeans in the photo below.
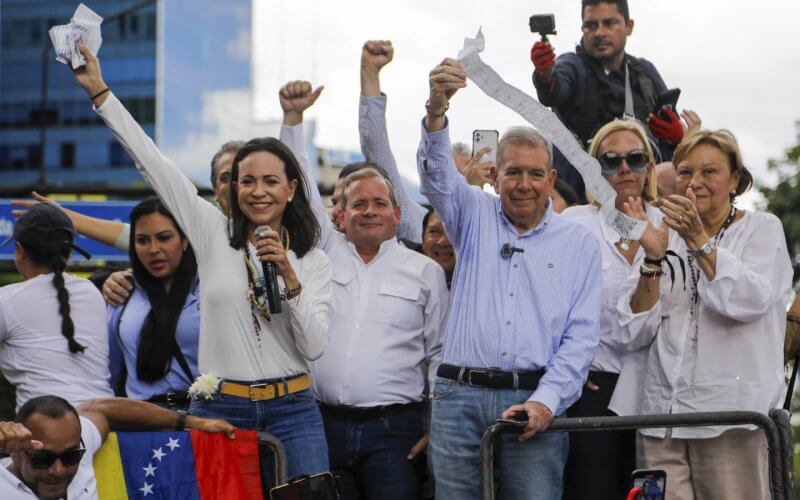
(370, 455)
(460, 415)
(294, 419)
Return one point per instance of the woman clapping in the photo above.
(715, 331)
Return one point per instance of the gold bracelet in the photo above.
(290, 293)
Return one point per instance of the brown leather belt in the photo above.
(265, 392)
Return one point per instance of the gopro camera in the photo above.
(544, 24)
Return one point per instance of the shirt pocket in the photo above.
(399, 304)
(342, 275)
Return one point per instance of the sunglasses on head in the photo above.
(44, 459)
(637, 159)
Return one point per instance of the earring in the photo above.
(289, 200)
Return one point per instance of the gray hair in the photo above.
(460, 148)
(228, 147)
(524, 136)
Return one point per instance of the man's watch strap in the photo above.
(181, 423)
(432, 113)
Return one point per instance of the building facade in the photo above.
(78, 148)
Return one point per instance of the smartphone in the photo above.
(668, 98)
(321, 486)
(483, 138)
(653, 483)
(520, 419)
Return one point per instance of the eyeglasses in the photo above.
(44, 459)
(610, 163)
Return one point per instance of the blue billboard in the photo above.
(109, 210)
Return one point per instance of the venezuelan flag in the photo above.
(178, 466)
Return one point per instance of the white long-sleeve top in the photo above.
(736, 362)
(387, 316)
(228, 346)
(612, 351)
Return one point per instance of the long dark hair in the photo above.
(157, 341)
(298, 218)
(57, 259)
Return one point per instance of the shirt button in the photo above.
(508, 322)
(516, 266)
(511, 294)
(505, 353)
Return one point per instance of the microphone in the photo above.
(506, 251)
(270, 276)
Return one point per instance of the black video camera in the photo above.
(544, 24)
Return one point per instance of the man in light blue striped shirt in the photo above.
(525, 306)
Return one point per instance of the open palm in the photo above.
(654, 240)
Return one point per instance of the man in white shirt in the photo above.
(52, 444)
(387, 316)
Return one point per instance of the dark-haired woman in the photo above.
(261, 358)
(53, 336)
(154, 334)
(714, 333)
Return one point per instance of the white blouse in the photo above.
(735, 361)
(228, 346)
(611, 352)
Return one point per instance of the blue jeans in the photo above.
(460, 415)
(294, 419)
(370, 455)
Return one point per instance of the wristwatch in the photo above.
(181, 424)
(705, 249)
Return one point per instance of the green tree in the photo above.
(783, 199)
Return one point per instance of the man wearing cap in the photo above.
(53, 334)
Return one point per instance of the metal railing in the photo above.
(778, 441)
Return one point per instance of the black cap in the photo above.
(46, 227)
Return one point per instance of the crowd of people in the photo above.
(405, 331)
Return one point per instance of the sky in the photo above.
(737, 64)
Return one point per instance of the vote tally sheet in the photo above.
(84, 27)
(548, 124)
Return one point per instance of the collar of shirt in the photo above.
(386, 247)
(13, 480)
(540, 227)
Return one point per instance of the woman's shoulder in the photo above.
(313, 259)
(581, 212)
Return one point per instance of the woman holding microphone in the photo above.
(254, 363)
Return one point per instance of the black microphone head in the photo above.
(506, 251)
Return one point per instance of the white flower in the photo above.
(204, 386)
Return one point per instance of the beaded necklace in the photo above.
(256, 288)
(695, 271)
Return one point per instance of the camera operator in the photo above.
(587, 88)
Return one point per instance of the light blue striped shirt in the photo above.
(538, 309)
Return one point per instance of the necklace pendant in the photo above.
(624, 245)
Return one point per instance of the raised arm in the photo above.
(441, 183)
(109, 232)
(197, 217)
(296, 97)
(374, 137)
(555, 79)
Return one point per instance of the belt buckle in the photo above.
(255, 386)
(471, 373)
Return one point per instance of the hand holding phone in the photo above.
(520, 419)
(668, 98)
